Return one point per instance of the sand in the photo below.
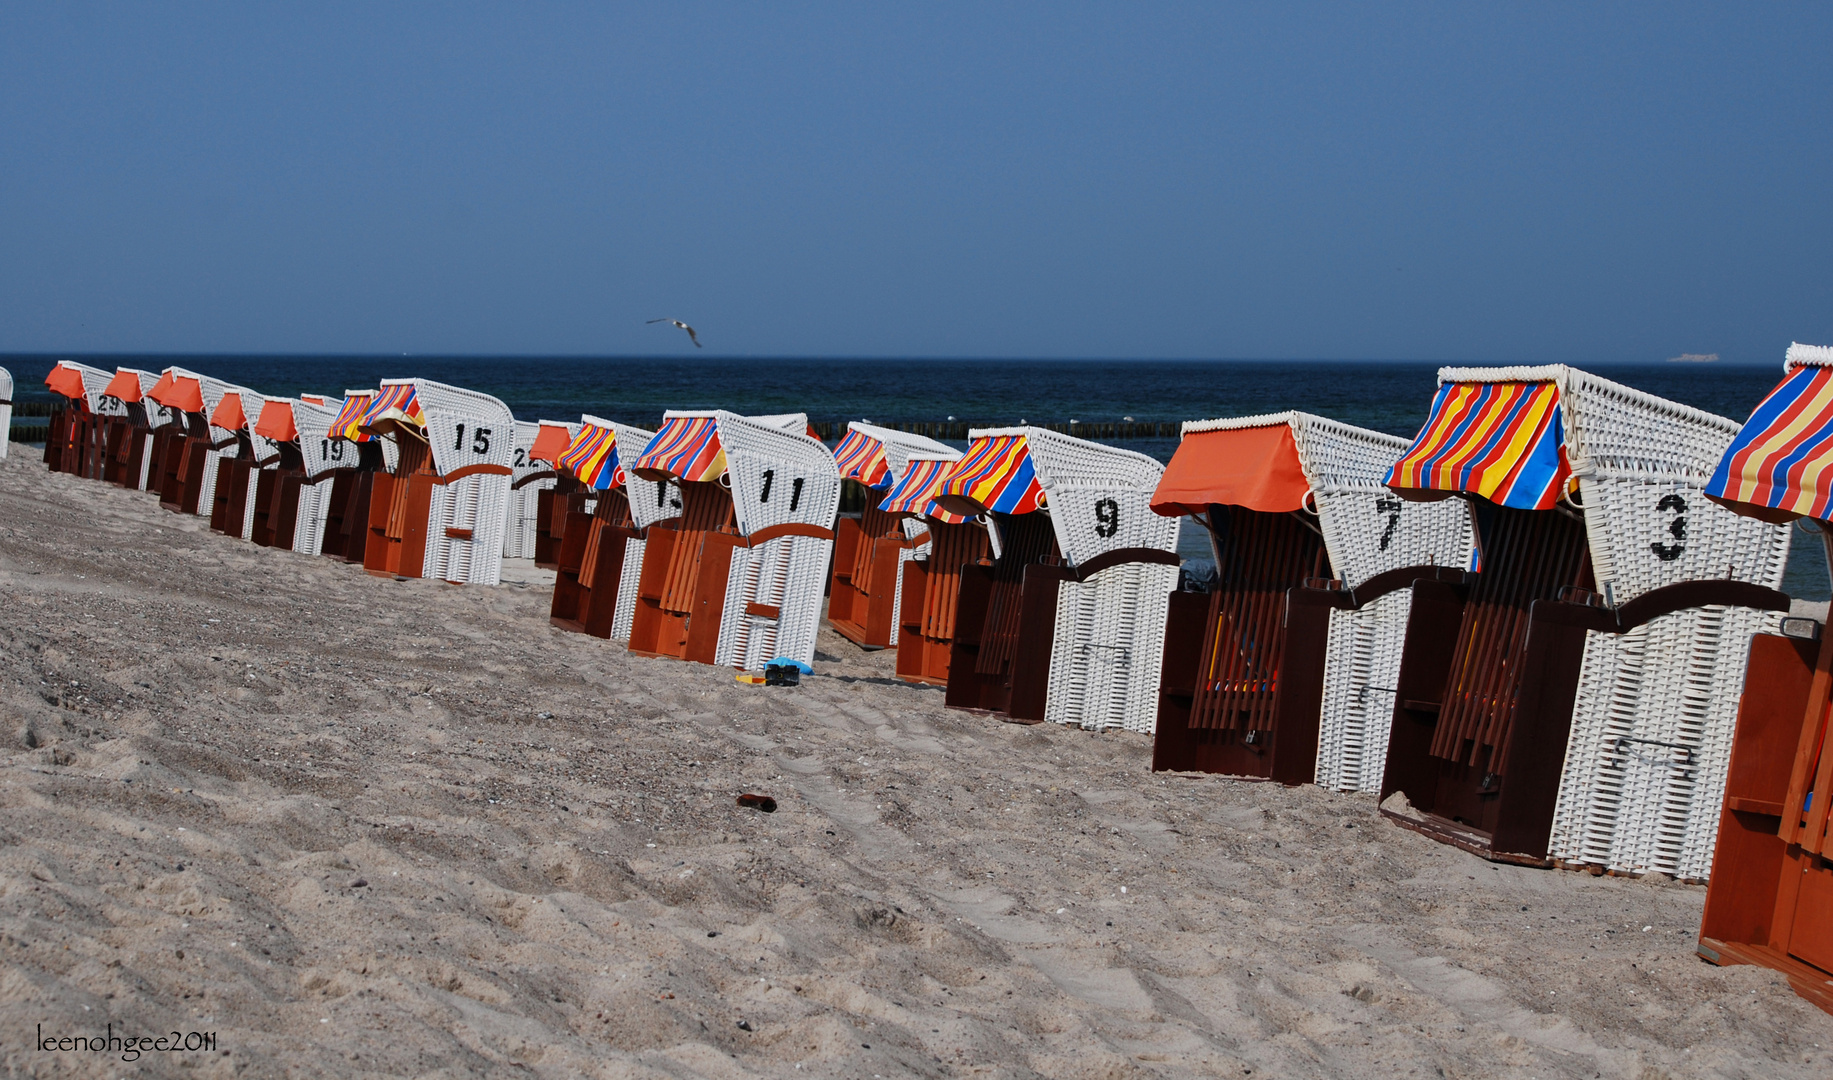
(361, 827)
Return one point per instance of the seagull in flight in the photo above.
(691, 336)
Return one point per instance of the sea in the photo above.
(1390, 396)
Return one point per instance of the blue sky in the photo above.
(1578, 183)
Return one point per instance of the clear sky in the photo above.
(1584, 183)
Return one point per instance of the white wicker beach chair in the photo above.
(1089, 593)
(864, 595)
(1603, 740)
(6, 408)
(526, 482)
(650, 501)
(1289, 498)
(759, 499)
(78, 436)
(132, 449)
(461, 463)
(601, 546)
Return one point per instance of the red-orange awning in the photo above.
(550, 442)
(276, 422)
(125, 386)
(178, 392)
(66, 381)
(228, 414)
(1256, 468)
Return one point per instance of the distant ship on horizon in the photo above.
(1693, 358)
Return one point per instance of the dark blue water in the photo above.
(1386, 396)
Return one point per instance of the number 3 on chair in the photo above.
(1107, 518)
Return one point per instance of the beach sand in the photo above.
(361, 827)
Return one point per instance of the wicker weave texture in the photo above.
(777, 477)
(1367, 529)
(1363, 662)
(625, 612)
(1109, 647)
(1645, 767)
(464, 427)
(650, 500)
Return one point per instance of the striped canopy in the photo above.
(1778, 467)
(1504, 441)
(687, 448)
(395, 404)
(348, 424)
(593, 458)
(862, 458)
(914, 492)
(125, 386)
(228, 413)
(996, 475)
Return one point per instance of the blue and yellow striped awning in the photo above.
(995, 475)
(1503, 441)
(915, 491)
(593, 458)
(687, 448)
(1780, 466)
(862, 457)
(348, 424)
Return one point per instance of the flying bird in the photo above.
(691, 336)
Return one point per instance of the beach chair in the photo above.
(293, 495)
(870, 550)
(78, 436)
(1264, 677)
(238, 475)
(528, 478)
(734, 576)
(129, 453)
(6, 408)
(1572, 701)
(597, 542)
(1770, 901)
(930, 572)
(191, 446)
(441, 508)
(553, 501)
(354, 458)
(1067, 623)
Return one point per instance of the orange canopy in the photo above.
(228, 414)
(66, 381)
(276, 422)
(124, 386)
(550, 443)
(178, 392)
(1256, 468)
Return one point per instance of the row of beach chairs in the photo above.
(1526, 630)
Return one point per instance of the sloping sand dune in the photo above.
(360, 827)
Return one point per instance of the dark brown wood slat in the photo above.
(1261, 555)
(1528, 555)
(1025, 539)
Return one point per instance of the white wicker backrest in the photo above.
(320, 451)
(267, 451)
(650, 500)
(900, 445)
(156, 415)
(6, 410)
(778, 474)
(898, 457)
(95, 380)
(1642, 462)
(789, 421)
(1368, 529)
(464, 427)
(526, 431)
(6, 384)
(1099, 497)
